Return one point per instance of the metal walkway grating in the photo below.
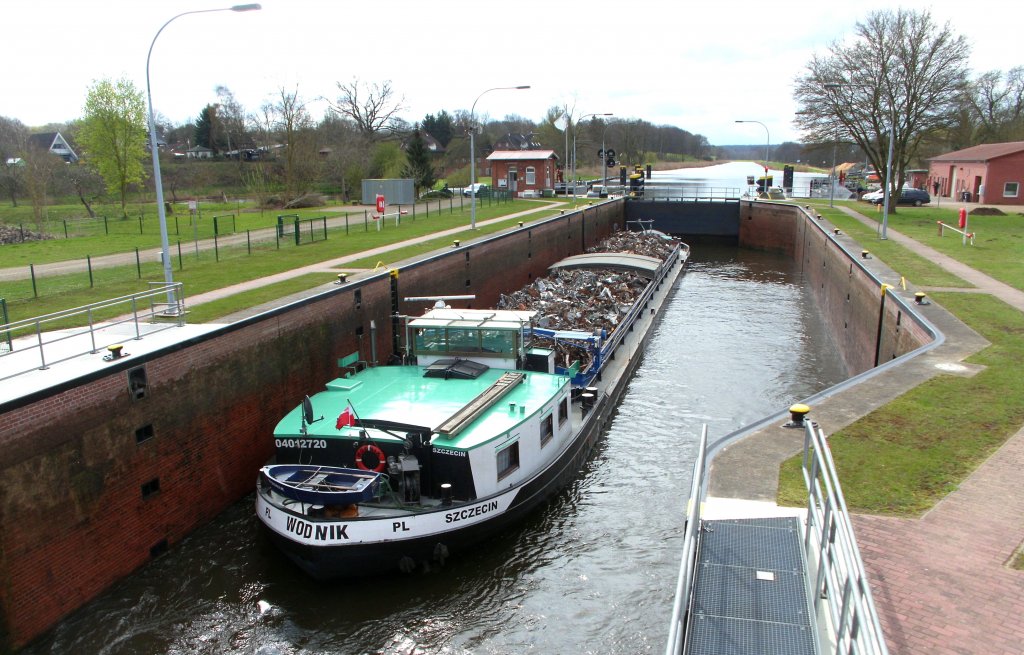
(750, 595)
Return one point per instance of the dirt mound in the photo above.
(987, 211)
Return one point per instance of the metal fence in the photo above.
(691, 542)
(833, 558)
(38, 343)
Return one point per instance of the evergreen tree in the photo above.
(440, 127)
(417, 162)
(205, 127)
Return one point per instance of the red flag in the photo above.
(346, 418)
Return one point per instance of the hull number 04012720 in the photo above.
(300, 443)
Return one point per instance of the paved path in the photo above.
(332, 264)
(153, 254)
(941, 582)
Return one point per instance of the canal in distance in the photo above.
(594, 571)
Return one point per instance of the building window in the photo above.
(531, 175)
(1010, 189)
(151, 487)
(563, 411)
(508, 460)
(547, 429)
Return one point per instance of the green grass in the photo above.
(998, 248)
(902, 458)
(918, 270)
(211, 311)
(201, 273)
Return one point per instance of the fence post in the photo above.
(298, 226)
(88, 265)
(140, 222)
(181, 262)
(6, 320)
(65, 228)
(32, 272)
(366, 226)
(216, 250)
(138, 262)
(106, 228)
(346, 223)
(248, 242)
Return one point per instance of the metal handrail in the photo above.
(831, 547)
(677, 633)
(91, 328)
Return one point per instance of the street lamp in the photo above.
(574, 151)
(472, 151)
(888, 162)
(767, 143)
(165, 249)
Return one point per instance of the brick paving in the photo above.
(942, 583)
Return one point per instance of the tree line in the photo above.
(280, 155)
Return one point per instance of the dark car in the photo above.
(915, 197)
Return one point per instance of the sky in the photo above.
(699, 66)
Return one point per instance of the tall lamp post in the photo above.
(574, 151)
(165, 249)
(472, 151)
(888, 162)
(767, 143)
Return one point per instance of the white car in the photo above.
(474, 189)
(873, 196)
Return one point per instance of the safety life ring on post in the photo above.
(370, 448)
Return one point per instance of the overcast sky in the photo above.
(695, 65)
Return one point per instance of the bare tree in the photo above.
(293, 123)
(231, 120)
(372, 108)
(997, 105)
(40, 166)
(902, 71)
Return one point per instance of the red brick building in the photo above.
(517, 171)
(991, 173)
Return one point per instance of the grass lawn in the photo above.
(201, 273)
(998, 248)
(904, 457)
(918, 270)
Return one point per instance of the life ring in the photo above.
(370, 448)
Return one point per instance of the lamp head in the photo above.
(250, 7)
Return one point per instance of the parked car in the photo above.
(477, 189)
(873, 196)
(915, 197)
(437, 193)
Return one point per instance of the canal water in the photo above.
(594, 571)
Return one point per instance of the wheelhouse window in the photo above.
(547, 429)
(1011, 189)
(531, 175)
(563, 411)
(508, 460)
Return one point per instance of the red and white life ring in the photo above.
(377, 452)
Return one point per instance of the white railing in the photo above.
(90, 335)
(684, 585)
(834, 563)
(966, 235)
